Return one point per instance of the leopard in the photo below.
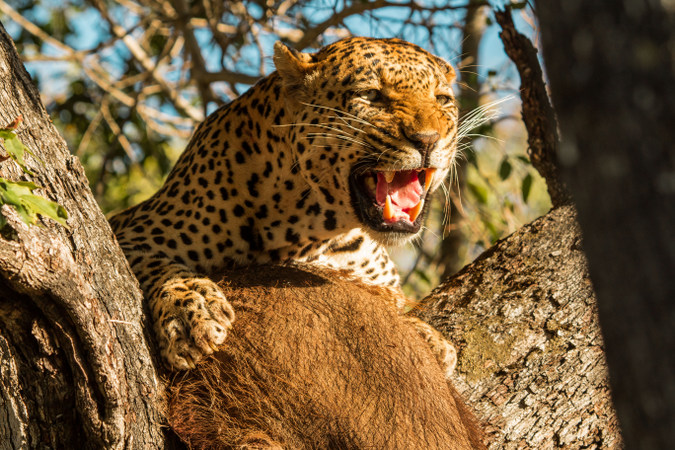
(327, 161)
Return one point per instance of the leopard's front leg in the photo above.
(191, 316)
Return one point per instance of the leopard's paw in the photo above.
(446, 355)
(192, 318)
(444, 351)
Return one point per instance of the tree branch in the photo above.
(530, 359)
(146, 62)
(311, 34)
(538, 115)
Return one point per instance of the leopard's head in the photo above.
(374, 122)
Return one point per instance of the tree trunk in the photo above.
(75, 368)
(612, 72)
(531, 356)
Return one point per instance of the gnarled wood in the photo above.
(75, 369)
(538, 114)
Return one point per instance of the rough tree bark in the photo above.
(75, 370)
(531, 356)
(612, 72)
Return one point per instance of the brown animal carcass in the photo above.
(317, 361)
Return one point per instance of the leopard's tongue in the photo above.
(402, 197)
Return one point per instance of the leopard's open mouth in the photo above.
(391, 200)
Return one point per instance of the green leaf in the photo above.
(471, 158)
(505, 169)
(19, 194)
(15, 148)
(479, 192)
(494, 232)
(423, 275)
(47, 208)
(524, 159)
(526, 187)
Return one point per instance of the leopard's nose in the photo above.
(424, 141)
(425, 138)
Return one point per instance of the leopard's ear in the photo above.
(447, 68)
(293, 66)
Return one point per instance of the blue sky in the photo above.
(89, 25)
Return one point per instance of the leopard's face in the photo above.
(375, 124)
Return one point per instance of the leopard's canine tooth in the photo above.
(415, 211)
(428, 177)
(388, 210)
(370, 184)
(389, 175)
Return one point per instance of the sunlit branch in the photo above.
(146, 62)
(117, 131)
(198, 62)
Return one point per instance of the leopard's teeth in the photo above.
(415, 211)
(428, 177)
(388, 212)
(389, 176)
(370, 184)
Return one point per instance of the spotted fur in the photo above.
(266, 178)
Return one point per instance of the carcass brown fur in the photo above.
(317, 361)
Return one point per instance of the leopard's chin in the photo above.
(391, 204)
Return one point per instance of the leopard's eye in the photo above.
(443, 99)
(372, 95)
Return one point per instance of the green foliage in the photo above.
(479, 191)
(526, 187)
(505, 169)
(14, 146)
(118, 178)
(19, 194)
(518, 5)
(504, 191)
(75, 102)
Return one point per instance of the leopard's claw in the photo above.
(192, 319)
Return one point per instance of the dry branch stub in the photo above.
(538, 114)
